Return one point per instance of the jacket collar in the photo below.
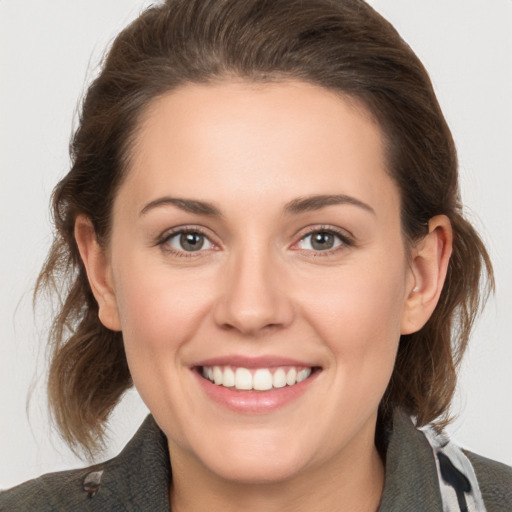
(411, 475)
(139, 476)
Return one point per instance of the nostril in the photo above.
(251, 298)
(252, 321)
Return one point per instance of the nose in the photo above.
(254, 297)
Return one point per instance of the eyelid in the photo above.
(165, 236)
(347, 238)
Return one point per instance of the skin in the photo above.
(259, 288)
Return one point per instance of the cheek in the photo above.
(358, 312)
(160, 314)
(368, 303)
(153, 298)
(160, 311)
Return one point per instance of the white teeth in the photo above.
(243, 379)
(303, 374)
(217, 375)
(261, 379)
(279, 378)
(291, 377)
(229, 378)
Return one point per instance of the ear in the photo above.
(98, 268)
(429, 265)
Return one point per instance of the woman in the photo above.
(264, 202)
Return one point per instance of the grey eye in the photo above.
(320, 241)
(192, 241)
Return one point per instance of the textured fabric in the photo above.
(411, 477)
(460, 491)
(138, 478)
(495, 481)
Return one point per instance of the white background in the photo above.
(49, 52)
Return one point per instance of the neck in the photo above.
(352, 483)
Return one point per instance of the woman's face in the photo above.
(256, 243)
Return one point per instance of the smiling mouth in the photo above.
(257, 379)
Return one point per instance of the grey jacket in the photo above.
(138, 478)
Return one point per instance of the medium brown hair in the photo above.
(341, 45)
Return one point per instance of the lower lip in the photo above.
(254, 402)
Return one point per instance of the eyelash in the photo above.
(346, 241)
(163, 241)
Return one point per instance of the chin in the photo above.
(262, 470)
(249, 458)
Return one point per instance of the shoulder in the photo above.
(495, 480)
(427, 471)
(52, 492)
(137, 479)
(467, 477)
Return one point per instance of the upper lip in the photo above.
(240, 361)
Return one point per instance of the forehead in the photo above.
(274, 140)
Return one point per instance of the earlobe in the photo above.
(429, 265)
(97, 266)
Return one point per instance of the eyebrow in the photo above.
(299, 205)
(316, 202)
(187, 205)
